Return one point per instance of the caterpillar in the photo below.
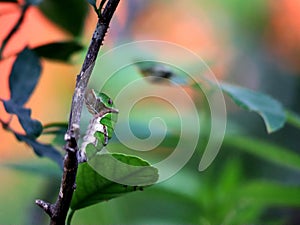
(101, 126)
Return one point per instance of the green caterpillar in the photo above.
(101, 126)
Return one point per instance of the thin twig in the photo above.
(58, 211)
(14, 29)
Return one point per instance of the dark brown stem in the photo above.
(14, 29)
(58, 211)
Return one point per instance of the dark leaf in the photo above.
(33, 2)
(58, 51)
(42, 150)
(33, 128)
(161, 73)
(93, 3)
(93, 188)
(14, 1)
(70, 15)
(268, 108)
(24, 76)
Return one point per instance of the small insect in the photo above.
(101, 126)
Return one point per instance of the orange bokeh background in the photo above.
(284, 32)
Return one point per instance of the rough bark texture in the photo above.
(58, 211)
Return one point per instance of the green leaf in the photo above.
(58, 51)
(24, 76)
(58, 130)
(268, 108)
(32, 127)
(265, 150)
(93, 188)
(70, 15)
(55, 128)
(293, 119)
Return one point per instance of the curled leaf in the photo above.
(267, 107)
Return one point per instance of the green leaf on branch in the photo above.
(268, 108)
(58, 51)
(70, 15)
(92, 187)
(55, 128)
(58, 130)
(24, 76)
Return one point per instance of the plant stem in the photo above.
(14, 29)
(58, 211)
(293, 119)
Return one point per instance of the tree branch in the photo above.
(58, 211)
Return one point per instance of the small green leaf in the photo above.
(265, 150)
(70, 15)
(58, 51)
(93, 188)
(24, 76)
(55, 128)
(268, 108)
(58, 130)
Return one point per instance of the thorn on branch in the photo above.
(47, 207)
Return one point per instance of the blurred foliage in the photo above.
(70, 15)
